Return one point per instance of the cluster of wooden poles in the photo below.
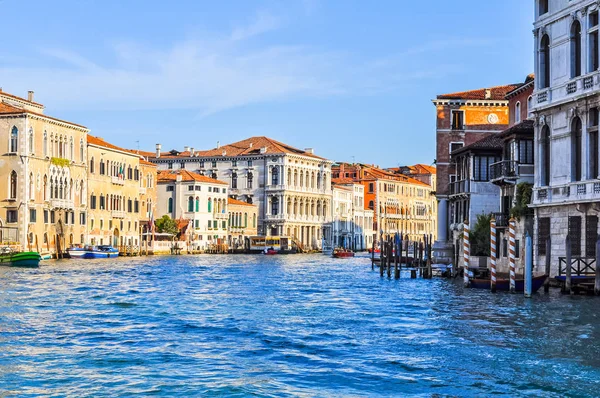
(391, 252)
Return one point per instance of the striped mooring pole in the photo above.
(512, 225)
(493, 254)
(467, 253)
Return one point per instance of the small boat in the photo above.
(19, 259)
(270, 252)
(90, 252)
(343, 253)
(503, 284)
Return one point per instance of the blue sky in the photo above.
(352, 79)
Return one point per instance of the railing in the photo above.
(117, 214)
(579, 266)
(588, 82)
(504, 169)
(501, 220)
(571, 87)
(542, 97)
(459, 187)
(542, 194)
(62, 204)
(117, 181)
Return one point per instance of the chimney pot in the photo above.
(30, 96)
(309, 150)
(158, 147)
(250, 146)
(488, 93)
(218, 144)
(186, 148)
(191, 151)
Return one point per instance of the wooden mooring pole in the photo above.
(512, 253)
(493, 254)
(389, 257)
(466, 253)
(597, 279)
(568, 287)
(548, 262)
(528, 266)
(373, 255)
(396, 269)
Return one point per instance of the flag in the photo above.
(121, 175)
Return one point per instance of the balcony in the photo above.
(117, 181)
(62, 204)
(221, 216)
(567, 90)
(501, 220)
(117, 214)
(509, 172)
(460, 187)
(575, 192)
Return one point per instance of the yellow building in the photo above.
(122, 193)
(43, 194)
(242, 222)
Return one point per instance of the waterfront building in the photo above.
(352, 224)
(566, 109)
(44, 172)
(243, 221)
(462, 118)
(290, 186)
(420, 172)
(121, 190)
(201, 201)
(514, 175)
(400, 203)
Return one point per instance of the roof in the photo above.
(6, 109)
(249, 146)
(525, 127)
(186, 176)
(342, 180)
(529, 80)
(19, 98)
(147, 163)
(491, 142)
(100, 142)
(496, 93)
(231, 201)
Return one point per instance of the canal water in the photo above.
(298, 325)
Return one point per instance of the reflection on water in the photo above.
(283, 325)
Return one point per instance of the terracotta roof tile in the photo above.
(187, 176)
(2, 93)
(6, 109)
(491, 142)
(231, 201)
(497, 93)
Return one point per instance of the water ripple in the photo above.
(283, 326)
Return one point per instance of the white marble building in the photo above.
(292, 187)
(566, 110)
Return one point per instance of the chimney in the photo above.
(30, 96)
(224, 153)
(158, 146)
(186, 148)
(488, 93)
(218, 144)
(263, 149)
(309, 150)
(191, 152)
(178, 178)
(250, 145)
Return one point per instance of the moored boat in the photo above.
(90, 252)
(270, 252)
(503, 284)
(19, 259)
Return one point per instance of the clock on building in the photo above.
(492, 118)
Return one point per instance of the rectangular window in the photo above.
(190, 187)
(101, 202)
(129, 206)
(209, 224)
(249, 163)
(371, 186)
(11, 216)
(224, 190)
(52, 217)
(170, 188)
(457, 120)
(593, 143)
(593, 19)
(542, 7)
(209, 189)
(136, 206)
(196, 223)
(215, 225)
(66, 218)
(214, 164)
(234, 163)
(481, 165)
(82, 218)
(224, 224)
(504, 247)
(593, 46)
(517, 248)
(198, 188)
(591, 235)
(455, 145)
(72, 217)
(170, 165)
(202, 164)
(575, 235)
(46, 216)
(32, 215)
(526, 151)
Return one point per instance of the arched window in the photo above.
(544, 62)
(31, 190)
(14, 139)
(275, 176)
(101, 167)
(13, 185)
(529, 106)
(371, 205)
(71, 150)
(250, 178)
(274, 206)
(575, 42)
(190, 203)
(31, 141)
(45, 148)
(254, 221)
(233, 180)
(213, 176)
(518, 112)
(209, 205)
(170, 205)
(545, 149)
(92, 165)
(45, 194)
(576, 149)
(197, 203)
(245, 220)
(81, 151)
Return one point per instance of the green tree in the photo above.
(523, 199)
(166, 224)
(479, 237)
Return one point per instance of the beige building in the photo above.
(43, 167)
(122, 192)
(243, 221)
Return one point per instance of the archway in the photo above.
(116, 238)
